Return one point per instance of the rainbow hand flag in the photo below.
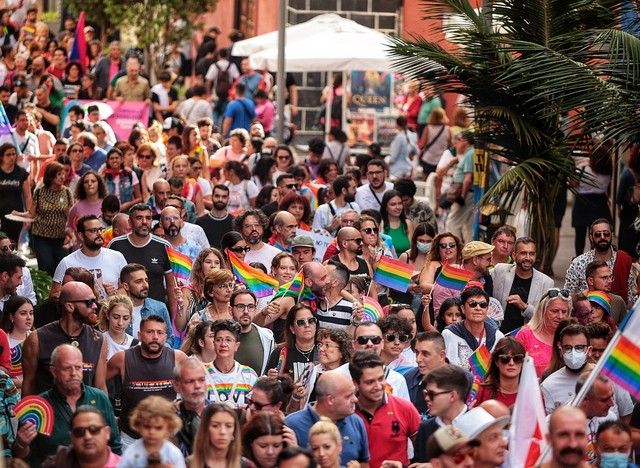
(180, 264)
(296, 289)
(479, 361)
(257, 282)
(393, 274)
(372, 310)
(453, 277)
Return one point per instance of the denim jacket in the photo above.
(153, 307)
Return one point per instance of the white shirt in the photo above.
(28, 145)
(240, 194)
(366, 199)
(105, 267)
(113, 347)
(263, 255)
(136, 318)
(324, 216)
(195, 233)
(231, 387)
(212, 72)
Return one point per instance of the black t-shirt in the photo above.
(215, 228)
(427, 428)
(153, 256)
(634, 422)
(11, 190)
(362, 270)
(49, 127)
(269, 208)
(203, 65)
(513, 315)
(295, 362)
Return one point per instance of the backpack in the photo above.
(223, 83)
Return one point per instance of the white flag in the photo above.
(527, 434)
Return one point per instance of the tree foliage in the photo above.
(545, 77)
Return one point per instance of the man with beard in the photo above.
(135, 282)
(617, 260)
(598, 407)
(66, 393)
(105, 264)
(369, 196)
(190, 383)
(600, 278)
(256, 343)
(567, 438)
(519, 287)
(251, 224)
(146, 369)
(336, 311)
(218, 220)
(349, 242)
(11, 274)
(78, 315)
(172, 224)
(327, 216)
(151, 251)
(284, 229)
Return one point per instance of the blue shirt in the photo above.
(355, 445)
(97, 159)
(242, 112)
(152, 307)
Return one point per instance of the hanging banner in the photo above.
(370, 90)
(121, 116)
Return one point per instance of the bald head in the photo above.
(64, 353)
(564, 415)
(161, 184)
(332, 382)
(161, 192)
(495, 408)
(347, 233)
(75, 290)
(120, 224)
(284, 218)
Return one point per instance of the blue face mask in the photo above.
(614, 460)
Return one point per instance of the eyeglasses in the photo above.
(392, 337)
(240, 249)
(373, 230)
(555, 292)
(228, 285)
(87, 302)
(224, 341)
(447, 245)
(581, 348)
(431, 395)
(283, 158)
(255, 404)
(507, 358)
(80, 431)
(306, 322)
(8, 248)
(328, 345)
(291, 186)
(94, 230)
(249, 307)
(357, 240)
(145, 156)
(76, 150)
(474, 304)
(603, 234)
(363, 340)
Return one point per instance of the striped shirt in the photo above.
(337, 316)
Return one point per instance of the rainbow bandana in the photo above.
(600, 298)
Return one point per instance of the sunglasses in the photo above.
(392, 337)
(255, 404)
(371, 230)
(601, 234)
(357, 240)
(8, 248)
(145, 156)
(474, 304)
(555, 292)
(240, 249)
(87, 302)
(363, 340)
(306, 322)
(291, 186)
(447, 245)
(431, 395)
(507, 358)
(80, 431)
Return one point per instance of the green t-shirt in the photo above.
(250, 352)
(464, 166)
(426, 108)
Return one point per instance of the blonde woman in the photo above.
(435, 139)
(325, 442)
(114, 319)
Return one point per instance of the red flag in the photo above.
(79, 49)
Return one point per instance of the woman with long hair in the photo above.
(242, 190)
(450, 312)
(193, 300)
(394, 221)
(267, 194)
(284, 160)
(72, 80)
(269, 394)
(89, 88)
(503, 377)
(15, 190)
(435, 139)
(298, 206)
(217, 443)
(200, 343)
(327, 172)
(192, 144)
(90, 191)
(262, 174)
(146, 157)
(121, 181)
(264, 437)
(17, 322)
(114, 319)
(217, 289)
(180, 169)
(421, 243)
(537, 335)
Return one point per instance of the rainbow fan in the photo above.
(37, 410)
(372, 310)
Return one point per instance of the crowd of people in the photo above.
(145, 367)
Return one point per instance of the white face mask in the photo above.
(423, 247)
(574, 359)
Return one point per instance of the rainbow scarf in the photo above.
(393, 274)
(180, 264)
(601, 299)
(372, 310)
(257, 282)
(453, 277)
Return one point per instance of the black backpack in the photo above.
(223, 83)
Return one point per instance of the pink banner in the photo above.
(125, 115)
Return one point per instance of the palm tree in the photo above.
(540, 75)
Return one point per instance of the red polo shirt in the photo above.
(389, 429)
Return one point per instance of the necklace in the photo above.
(306, 354)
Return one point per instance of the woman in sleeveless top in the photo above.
(17, 322)
(146, 156)
(435, 139)
(395, 222)
(218, 286)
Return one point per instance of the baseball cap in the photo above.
(477, 420)
(302, 241)
(170, 122)
(447, 440)
(475, 248)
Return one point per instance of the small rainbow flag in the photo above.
(180, 264)
(296, 289)
(479, 361)
(623, 365)
(372, 310)
(473, 391)
(453, 277)
(393, 273)
(600, 298)
(37, 410)
(259, 283)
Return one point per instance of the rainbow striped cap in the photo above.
(601, 299)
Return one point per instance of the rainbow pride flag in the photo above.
(453, 277)
(180, 264)
(600, 298)
(479, 361)
(296, 289)
(393, 274)
(257, 282)
(473, 391)
(372, 310)
(623, 365)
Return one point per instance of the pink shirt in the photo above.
(114, 68)
(265, 114)
(113, 460)
(539, 351)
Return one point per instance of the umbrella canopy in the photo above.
(326, 42)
